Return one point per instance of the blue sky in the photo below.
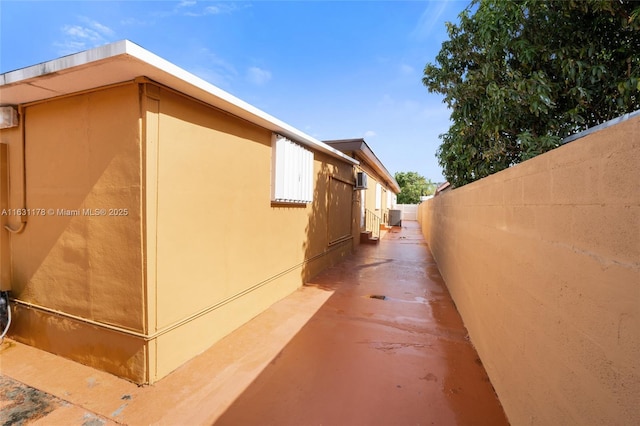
(333, 69)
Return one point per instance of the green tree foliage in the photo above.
(412, 187)
(521, 75)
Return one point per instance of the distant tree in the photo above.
(521, 75)
(413, 186)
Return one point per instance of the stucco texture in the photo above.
(64, 260)
(223, 252)
(542, 261)
(200, 250)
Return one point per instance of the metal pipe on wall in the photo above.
(23, 172)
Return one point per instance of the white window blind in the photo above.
(378, 196)
(291, 172)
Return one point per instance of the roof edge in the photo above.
(201, 89)
(370, 156)
(69, 61)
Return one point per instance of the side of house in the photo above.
(76, 272)
(220, 250)
(380, 193)
(140, 222)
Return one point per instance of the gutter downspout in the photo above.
(5, 279)
(23, 171)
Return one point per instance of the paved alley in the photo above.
(387, 348)
(375, 340)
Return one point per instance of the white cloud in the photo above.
(80, 32)
(212, 10)
(213, 68)
(97, 26)
(429, 18)
(369, 134)
(215, 9)
(406, 69)
(186, 3)
(258, 76)
(89, 33)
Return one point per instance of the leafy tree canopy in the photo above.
(412, 187)
(521, 75)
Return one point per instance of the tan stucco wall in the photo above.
(542, 261)
(219, 250)
(369, 195)
(200, 251)
(82, 152)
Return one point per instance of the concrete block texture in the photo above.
(543, 262)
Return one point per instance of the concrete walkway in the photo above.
(328, 354)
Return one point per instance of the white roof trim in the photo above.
(365, 150)
(124, 61)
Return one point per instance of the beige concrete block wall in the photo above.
(543, 262)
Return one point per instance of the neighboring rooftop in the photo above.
(367, 155)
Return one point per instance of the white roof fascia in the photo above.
(65, 62)
(38, 84)
(370, 157)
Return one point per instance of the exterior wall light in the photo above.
(8, 117)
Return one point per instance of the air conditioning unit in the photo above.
(8, 117)
(361, 180)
